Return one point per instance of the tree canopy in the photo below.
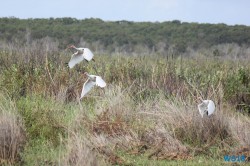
(111, 34)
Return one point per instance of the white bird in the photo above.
(206, 107)
(80, 55)
(92, 80)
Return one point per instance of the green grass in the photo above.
(40, 152)
(149, 100)
(143, 160)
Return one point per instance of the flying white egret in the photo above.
(80, 55)
(92, 80)
(206, 107)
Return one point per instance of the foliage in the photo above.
(123, 35)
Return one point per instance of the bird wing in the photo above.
(75, 58)
(201, 109)
(100, 82)
(87, 86)
(87, 54)
(210, 107)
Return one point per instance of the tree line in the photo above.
(126, 35)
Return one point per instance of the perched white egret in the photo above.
(92, 80)
(206, 107)
(80, 55)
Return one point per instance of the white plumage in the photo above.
(80, 55)
(92, 81)
(206, 107)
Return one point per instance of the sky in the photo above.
(229, 12)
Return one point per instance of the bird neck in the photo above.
(87, 74)
(75, 48)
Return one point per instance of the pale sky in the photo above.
(230, 12)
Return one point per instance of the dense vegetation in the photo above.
(124, 35)
(147, 114)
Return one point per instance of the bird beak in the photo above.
(70, 46)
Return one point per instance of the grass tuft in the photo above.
(12, 131)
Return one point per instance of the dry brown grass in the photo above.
(148, 108)
(119, 125)
(239, 127)
(12, 133)
(224, 130)
(159, 129)
(79, 152)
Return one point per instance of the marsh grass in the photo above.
(12, 131)
(147, 111)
